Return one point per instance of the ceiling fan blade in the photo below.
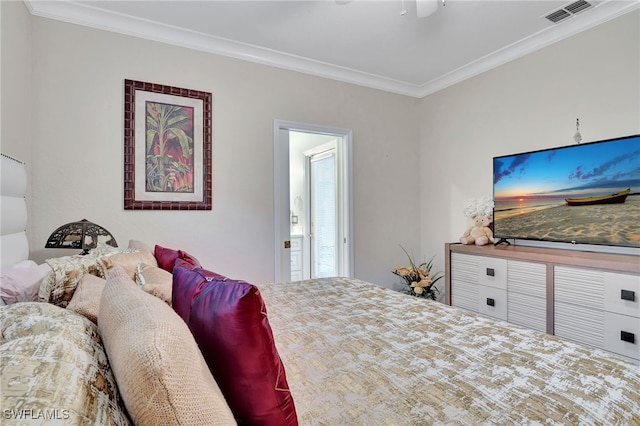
(426, 7)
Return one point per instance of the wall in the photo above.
(15, 80)
(528, 104)
(77, 150)
(15, 85)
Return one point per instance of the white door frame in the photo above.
(281, 198)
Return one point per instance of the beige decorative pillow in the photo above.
(155, 280)
(139, 245)
(86, 298)
(128, 260)
(158, 367)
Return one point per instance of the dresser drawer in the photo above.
(622, 334)
(622, 294)
(492, 302)
(527, 278)
(464, 268)
(492, 272)
(581, 287)
(579, 323)
(465, 295)
(527, 311)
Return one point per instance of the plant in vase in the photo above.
(419, 280)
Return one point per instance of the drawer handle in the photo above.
(491, 272)
(491, 302)
(625, 336)
(628, 295)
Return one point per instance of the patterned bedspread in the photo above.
(53, 369)
(358, 354)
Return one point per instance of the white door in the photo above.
(323, 233)
(283, 206)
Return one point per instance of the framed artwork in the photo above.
(167, 147)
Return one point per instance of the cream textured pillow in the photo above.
(86, 298)
(158, 367)
(155, 280)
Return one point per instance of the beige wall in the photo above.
(528, 104)
(77, 150)
(75, 87)
(15, 80)
(15, 86)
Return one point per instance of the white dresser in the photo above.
(591, 298)
(506, 289)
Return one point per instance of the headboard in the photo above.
(14, 245)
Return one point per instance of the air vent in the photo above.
(558, 15)
(578, 6)
(568, 11)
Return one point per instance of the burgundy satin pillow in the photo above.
(188, 258)
(167, 257)
(187, 283)
(228, 319)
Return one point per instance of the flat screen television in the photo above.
(581, 194)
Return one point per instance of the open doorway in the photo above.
(312, 199)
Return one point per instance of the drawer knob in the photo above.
(491, 272)
(628, 295)
(491, 302)
(625, 336)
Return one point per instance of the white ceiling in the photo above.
(365, 42)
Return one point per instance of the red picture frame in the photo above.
(167, 147)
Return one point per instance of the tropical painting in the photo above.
(169, 148)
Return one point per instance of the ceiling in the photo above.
(366, 42)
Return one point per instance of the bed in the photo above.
(360, 354)
(136, 336)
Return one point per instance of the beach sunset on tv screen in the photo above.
(586, 194)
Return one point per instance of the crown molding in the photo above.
(86, 15)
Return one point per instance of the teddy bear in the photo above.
(480, 233)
